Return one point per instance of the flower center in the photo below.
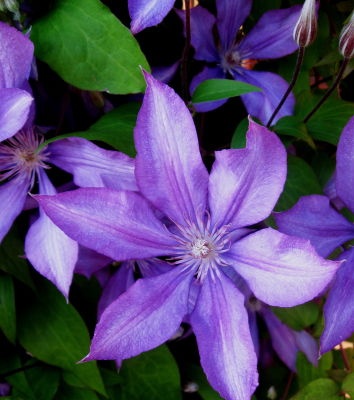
(201, 248)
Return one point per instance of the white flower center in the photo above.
(201, 248)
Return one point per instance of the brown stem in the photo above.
(185, 54)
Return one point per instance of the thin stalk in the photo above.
(299, 60)
(15, 371)
(329, 91)
(344, 358)
(185, 54)
(288, 384)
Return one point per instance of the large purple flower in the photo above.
(16, 54)
(314, 218)
(199, 223)
(22, 161)
(232, 53)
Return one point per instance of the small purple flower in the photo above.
(198, 221)
(16, 54)
(314, 218)
(23, 161)
(232, 54)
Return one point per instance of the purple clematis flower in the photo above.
(22, 160)
(234, 55)
(198, 222)
(16, 54)
(314, 218)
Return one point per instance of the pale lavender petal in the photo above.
(272, 36)
(12, 199)
(308, 345)
(146, 13)
(14, 109)
(345, 165)
(339, 306)
(89, 262)
(93, 166)
(16, 54)
(169, 169)
(281, 270)
(153, 266)
(220, 324)
(262, 104)
(245, 183)
(313, 218)
(142, 318)
(231, 14)
(207, 73)
(118, 224)
(119, 283)
(52, 253)
(165, 74)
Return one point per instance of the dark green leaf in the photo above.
(298, 317)
(54, 332)
(348, 385)
(89, 47)
(196, 375)
(239, 137)
(291, 126)
(71, 393)
(151, 375)
(217, 89)
(7, 307)
(300, 181)
(306, 372)
(318, 390)
(44, 381)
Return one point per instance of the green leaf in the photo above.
(319, 389)
(151, 375)
(298, 317)
(306, 372)
(54, 332)
(70, 393)
(196, 374)
(291, 126)
(239, 137)
(301, 181)
(89, 47)
(7, 307)
(217, 89)
(348, 385)
(44, 381)
(114, 128)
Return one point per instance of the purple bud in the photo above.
(306, 27)
(346, 39)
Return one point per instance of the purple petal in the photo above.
(92, 166)
(220, 323)
(245, 183)
(262, 104)
(272, 36)
(142, 318)
(169, 170)
(12, 199)
(16, 54)
(281, 270)
(49, 250)
(89, 262)
(207, 73)
(345, 165)
(339, 306)
(231, 14)
(145, 13)
(118, 224)
(14, 109)
(314, 219)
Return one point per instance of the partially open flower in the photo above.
(306, 27)
(346, 39)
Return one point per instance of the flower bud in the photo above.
(306, 27)
(346, 39)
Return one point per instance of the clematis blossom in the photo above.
(234, 55)
(199, 223)
(23, 162)
(16, 54)
(314, 218)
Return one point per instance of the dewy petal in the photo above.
(262, 104)
(118, 224)
(313, 218)
(14, 109)
(345, 165)
(220, 324)
(16, 54)
(12, 199)
(169, 169)
(231, 14)
(146, 13)
(52, 253)
(143, 317)
(339, 306)
(272, 36)
(92, 166)
(281, 270)
(245, 183)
